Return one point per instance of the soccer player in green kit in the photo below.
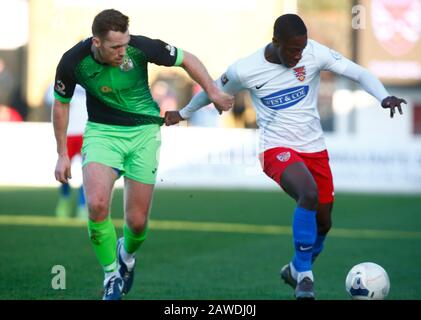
(122, 136)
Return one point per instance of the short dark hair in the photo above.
(288, 26)
(109, 20)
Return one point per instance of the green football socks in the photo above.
(133, 241)
(104, 241)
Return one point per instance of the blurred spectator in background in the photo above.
(77, 122)
(18, 102)
(164, 95)
(7, 84)
(9, 114)
(11, 96)
(11, 108)
(171, 90)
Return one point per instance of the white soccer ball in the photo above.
(367, 281)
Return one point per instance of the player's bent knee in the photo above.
(98, 210)
(137, 225)
(137, 229)
(309, 199)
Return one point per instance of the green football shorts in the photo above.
(132, 150)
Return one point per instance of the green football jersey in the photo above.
(115, 95)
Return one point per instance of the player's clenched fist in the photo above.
(172, 117)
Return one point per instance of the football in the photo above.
(367, 281)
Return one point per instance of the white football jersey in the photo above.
(285, 99)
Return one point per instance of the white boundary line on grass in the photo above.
(47, 221)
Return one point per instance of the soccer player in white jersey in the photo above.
(283, 79)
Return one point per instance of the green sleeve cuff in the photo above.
(180, 57)
(61, 99)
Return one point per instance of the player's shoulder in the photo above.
(247, 64)
(313, 46)
(316, 51)
(318, 48)
(322, 51)
(78, 51)
(254, 58)
(143, 42)
(135, 38)
(313, 43)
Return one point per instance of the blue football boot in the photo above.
(113, 288)
(126, 274)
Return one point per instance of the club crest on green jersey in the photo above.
(127, 64)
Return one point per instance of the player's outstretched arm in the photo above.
(200, 100)
(228, 83)
(60, 118)
(393, 103)
(198, 72)
(373, 86)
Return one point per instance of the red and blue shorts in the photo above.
(276, 160)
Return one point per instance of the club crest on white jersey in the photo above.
(300, 73)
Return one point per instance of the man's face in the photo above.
(290, 52)
(112, 48)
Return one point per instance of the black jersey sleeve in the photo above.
(157, 51)
(65, 83)
(65, 80)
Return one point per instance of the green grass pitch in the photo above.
(209, 244)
